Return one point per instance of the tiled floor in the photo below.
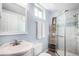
(52, 53)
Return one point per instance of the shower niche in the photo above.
(13, 19)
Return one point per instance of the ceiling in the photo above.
(54, 7)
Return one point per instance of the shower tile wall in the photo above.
(77, 45)
(59, 44)
(71, 40)
(78, 35)
(71, 31)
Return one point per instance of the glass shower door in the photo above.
(60, 34)
(67, 34)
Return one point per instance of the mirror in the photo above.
(13, 19)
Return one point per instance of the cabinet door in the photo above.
(29, 53)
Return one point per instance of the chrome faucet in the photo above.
(16, 42)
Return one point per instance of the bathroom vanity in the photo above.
(23, 49)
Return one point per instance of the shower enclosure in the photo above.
(67, 33)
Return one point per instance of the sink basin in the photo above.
(9, 50)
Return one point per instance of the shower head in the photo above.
(66, 10)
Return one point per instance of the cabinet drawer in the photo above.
(29, 53)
